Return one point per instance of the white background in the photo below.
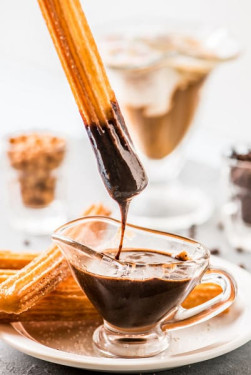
(34, 92)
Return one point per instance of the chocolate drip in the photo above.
(124, 210)
(118, 164)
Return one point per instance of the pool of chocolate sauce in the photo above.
(131, 302)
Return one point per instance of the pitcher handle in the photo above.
(189, 317)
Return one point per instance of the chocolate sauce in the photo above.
(118, 164)
(128, 302)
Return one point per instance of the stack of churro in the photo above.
(66, 302)
(20, 290)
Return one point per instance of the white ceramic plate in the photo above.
(70, 344)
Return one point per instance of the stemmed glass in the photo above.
(158, 69)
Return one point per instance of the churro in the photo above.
(15, 260)
(80, 59)
(66, 302)
(201, 294)
(118, 163)
(5, 273)
(22, 290)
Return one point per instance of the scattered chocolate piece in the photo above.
(246, 156)
(26, 243)
(215, 251)
(220, 226)
(242, 266)
(239, 250)
(192, 231)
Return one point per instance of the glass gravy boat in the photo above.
(140, 295)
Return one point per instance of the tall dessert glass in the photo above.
(158, 70)
(36, 181)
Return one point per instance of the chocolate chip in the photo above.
(26, 243)
(220, 226)
(215, 251)
(241, 156)
(239, 250)
(242, 266)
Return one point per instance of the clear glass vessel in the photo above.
(158, 69)
(139, 296)
(35, 174)
(237, 207)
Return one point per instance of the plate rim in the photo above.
(37, 350)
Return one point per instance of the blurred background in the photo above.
(34, 92)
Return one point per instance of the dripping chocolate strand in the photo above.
(124, 211)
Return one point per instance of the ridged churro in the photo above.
(118, 163)
(15, 260)
(201, 294)
(66, 302)
(28, 285)
(80, 59)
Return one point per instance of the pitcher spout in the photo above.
(66, 243)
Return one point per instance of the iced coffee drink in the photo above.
(160, 130)
(158, 79)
